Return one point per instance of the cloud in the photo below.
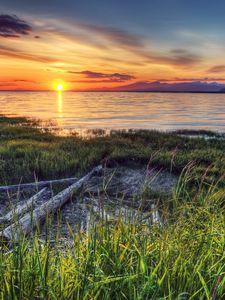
(183, 57)
(202, 79)
(14, 53)
(7, 84)
(13, 83)
(98, 81)
(217, 69)
(12, 26)
(137, 45)
(176, 57)
(115, 35)
(24, 80)
(105, 38)
(104, 77)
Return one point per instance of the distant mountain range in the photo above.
(157, 86)
(161, 86)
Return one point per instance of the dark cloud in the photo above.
(37, 37)
(12, 26)
(114, 77)
(217, 69)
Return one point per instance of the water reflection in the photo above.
(60, 108)
(60, 104)
(164, 111)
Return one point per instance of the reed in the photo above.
(182, 259)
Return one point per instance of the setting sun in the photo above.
(59, 87)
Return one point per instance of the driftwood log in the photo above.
(30, 220)
(22, 208)
(156, 219)
(36, 185)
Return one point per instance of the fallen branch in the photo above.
(36, 185)
(156, 219)
(23, 208)
(38, 215)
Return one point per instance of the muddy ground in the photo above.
(115, 192)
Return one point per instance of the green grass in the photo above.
(182, 259)
(27, 153)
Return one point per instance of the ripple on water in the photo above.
(163, 111)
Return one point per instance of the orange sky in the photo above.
(86, 57)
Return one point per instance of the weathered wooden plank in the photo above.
(36, 185)
(21, 209)
(27, 223)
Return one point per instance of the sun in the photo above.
(59, 86)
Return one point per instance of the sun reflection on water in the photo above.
(60, 108)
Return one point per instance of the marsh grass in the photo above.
(27, 153)
(182, 259)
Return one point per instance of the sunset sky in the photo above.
(100, 44)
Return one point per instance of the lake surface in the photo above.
(91, 110)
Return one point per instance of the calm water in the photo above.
(119, 110)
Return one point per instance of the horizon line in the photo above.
(117, 91)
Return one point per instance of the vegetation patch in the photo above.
(118, 252)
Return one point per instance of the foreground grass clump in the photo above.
(181, 260)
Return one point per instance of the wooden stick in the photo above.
(155, 215)
(22, 208)
(38, 215)
(36, 185)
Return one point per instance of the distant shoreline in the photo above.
(112, 91)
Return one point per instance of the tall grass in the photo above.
(182, 259)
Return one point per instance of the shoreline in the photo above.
(119, 91)
(91, 132)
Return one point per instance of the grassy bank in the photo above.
(183, 259)
(27, 153)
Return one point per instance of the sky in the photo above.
(114, 45)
